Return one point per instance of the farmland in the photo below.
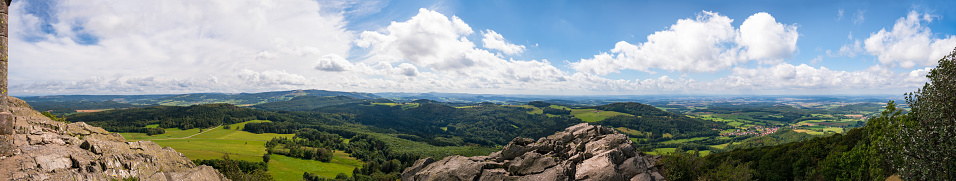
(242, 145)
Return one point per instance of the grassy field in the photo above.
(684, 140)
(588, 115)
(288, 168)
(242, 145)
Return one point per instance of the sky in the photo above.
(99, 47)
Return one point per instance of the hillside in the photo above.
(307, 103)
(48, 150)
(189, 99)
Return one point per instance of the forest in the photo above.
(913, 145)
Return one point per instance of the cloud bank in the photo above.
(182, 46)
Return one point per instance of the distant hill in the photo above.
(80, 102)
(253, 98)
(93, 98)
(306, 103)
(69, 107)
(657, 122)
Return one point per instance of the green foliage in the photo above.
(539, 104)
(730, 170)
(486, 125)
(928, 130)
(197, 116)
(658, 122)
(784, 135)
(53, 117)
(238, 169)
(155, 131)
(682, 166)
(548, 110)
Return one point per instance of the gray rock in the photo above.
(52, 162)
(409, 173)
(657, 176)
(496, 174)
(580, 152)
(642, 177)
(531, 163)
(49, 150)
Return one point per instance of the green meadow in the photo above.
(242, 145)
(289, 168)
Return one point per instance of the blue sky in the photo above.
(499, 47)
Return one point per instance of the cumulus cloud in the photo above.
(429, 38)
(909, 43)
(706, 44)
(765, 39)
(795, 77)
(175, 39)
(253, 46)
(334, 63)
(495, 41)
(439, 44)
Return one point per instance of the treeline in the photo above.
(784, 135)
(657, 122)
(443, 125)
(196, 116)
(238, 169)
(307, 144)
(381, 162)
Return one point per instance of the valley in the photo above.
(392, 132)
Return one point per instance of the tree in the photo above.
(930, 150)
(266, 157)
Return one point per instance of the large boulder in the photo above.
(580, 152)
(44, 149)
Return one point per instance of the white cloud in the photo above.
(172, 40)
(429, 38)
(435, 43)
(333, 63)
(797, 77)
(254, 46)
(765, 39)
(706, 44)
(909, 43)
(495, 41)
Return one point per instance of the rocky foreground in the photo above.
(580, 152)
(44, 149)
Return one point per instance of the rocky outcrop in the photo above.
(49, 150)
(580, 152)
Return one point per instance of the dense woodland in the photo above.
(917, 145)
(650, 119)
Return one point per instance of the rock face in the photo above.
(580, 152)
(49, 150)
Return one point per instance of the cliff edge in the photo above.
(44, 149)
(580, 152)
